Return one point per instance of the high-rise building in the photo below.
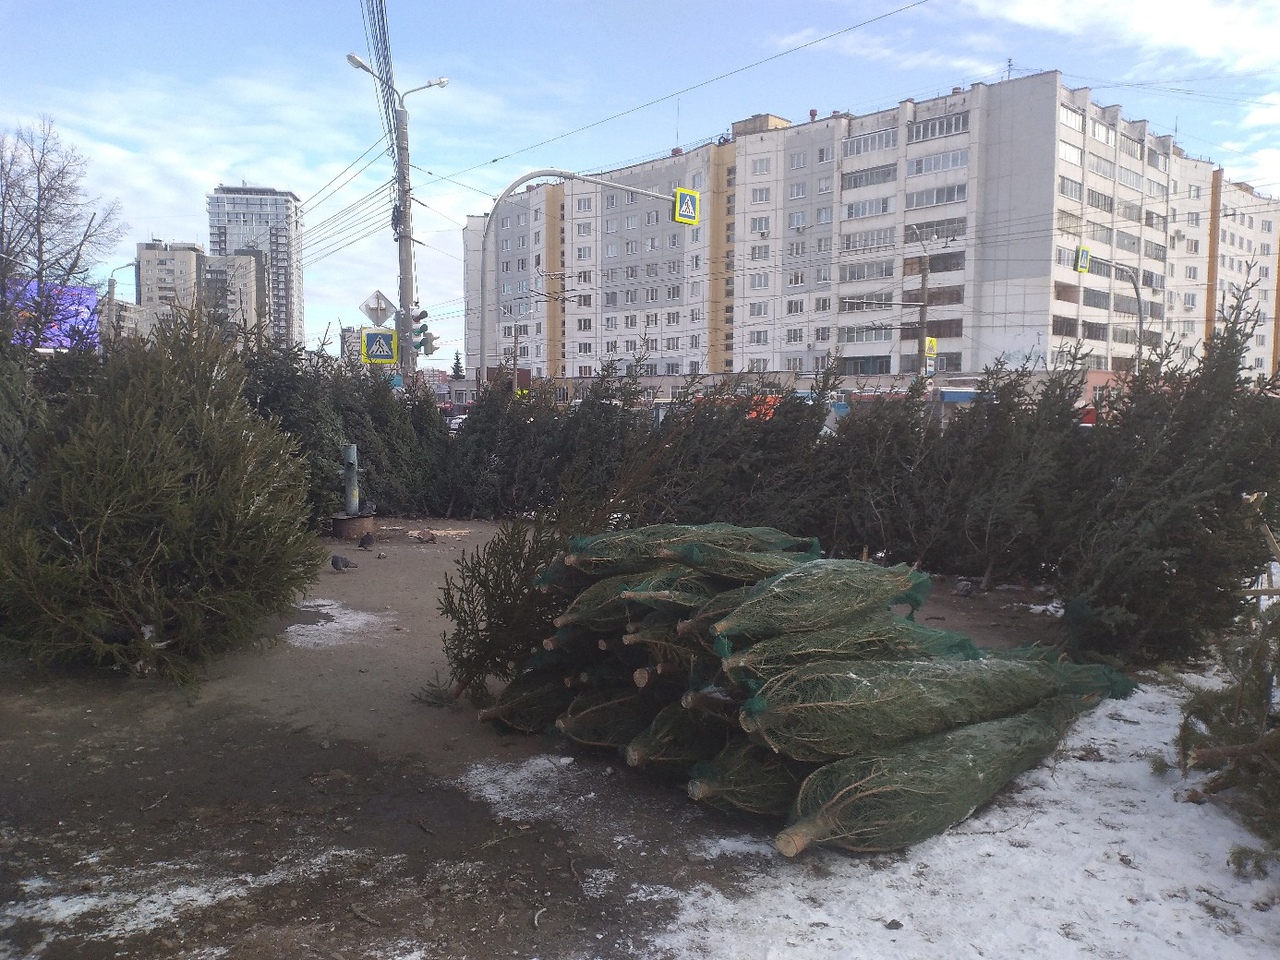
(1024, 219)
(248, 218)
(168, 275)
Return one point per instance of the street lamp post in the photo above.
(404, 224)
(1137, 293)
(111, 291)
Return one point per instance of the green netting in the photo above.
(610, 716)
(559, 577)
(746, 777)
(825, 711)
(676, 740)
(744, 566)
(686, 592)
(912, 792)
(621, 551)
(602, 605)
(818, 594)
(532, 701)
(873, 636)
(717, 608)
(1079, 678)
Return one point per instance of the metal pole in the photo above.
(1133, 276)
(404, 320)
(922, 335)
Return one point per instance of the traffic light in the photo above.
(419, 335)
(429, 344)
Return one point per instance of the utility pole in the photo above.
(922, 336)
(403, 218)
(404, 238)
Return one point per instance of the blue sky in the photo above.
(168, 105)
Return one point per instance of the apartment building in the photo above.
(172, 275)
(262, 219)
(1024, 219)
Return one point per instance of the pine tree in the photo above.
(165, 518)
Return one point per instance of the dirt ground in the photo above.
(304, 801)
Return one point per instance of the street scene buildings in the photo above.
(1022, 215)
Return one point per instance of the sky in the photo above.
(166, 102)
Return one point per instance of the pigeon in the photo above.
(341, 563)
(366, 542)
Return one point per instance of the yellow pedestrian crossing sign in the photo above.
(688, 206)
(930, 346)
(378, 345)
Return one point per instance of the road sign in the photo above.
(688, 206)
(378, 308)
(930, 346)
(929, 364)
(1082, 259)
(378, 346)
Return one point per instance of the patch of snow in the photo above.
(341, 625)
(1053, 608)
(1091, 853)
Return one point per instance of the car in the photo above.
(455, 423)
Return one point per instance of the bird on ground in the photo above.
(366, 542)
(341, 563)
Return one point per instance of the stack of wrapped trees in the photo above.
(779, 683)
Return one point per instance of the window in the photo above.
(673, 318)
(760, 251)
(1070, 153)
(758, 337)
(1096, 298)
(1130, 211)
(950, 229)
(650, 269)
(821, 305)
(870, 270)
(759, 224)
(611, 299)
(870, 142)
(673, 292)
(938, 127)
(795, 278)
(1102, 166)
(1071, 117)
(950, 160)
(1102, 133)
(824, 185)
(870, 301)
(584, 253)
(504, 223)
(758, 309)
(611, 225)
(758, 366)
(794, 307)
(584, 347)
(868, 239)
(760, 166)
(758, 281)
(610, 249)
(869, 177)
(870, 208)
(611, 323)
(651, 295)
(798, 161)
(1100, 201)
(584, 229)
(1131, 147)
(797, 191)
(797, 220)
(797, 248)
(651, 218)
(1071, 189)
(671, 343)
(504, 244)
(826, 154)
(697, 181)
(584, 323)
(936, 196)
(1193, 246)
(866, 366)
(760, 194)
(1129, 178)
(632, 221)
(1126, 241)
(822, 244)
(651, 243)
(583, 205)
(629, 321)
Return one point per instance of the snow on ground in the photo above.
(1091, 854)
(334, 624)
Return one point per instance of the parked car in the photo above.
(455, 423)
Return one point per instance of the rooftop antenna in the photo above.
(1008, 69)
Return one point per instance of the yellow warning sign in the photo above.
(688, 206)
(930, 346)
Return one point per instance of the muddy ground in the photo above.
(305, 800)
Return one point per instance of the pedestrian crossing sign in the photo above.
(688, 206)
(378, 346)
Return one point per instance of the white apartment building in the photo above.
(233, 287)
(1022, 213)
(262, 219)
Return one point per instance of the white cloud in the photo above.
(1240, 34)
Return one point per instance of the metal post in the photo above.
(1137, 293)
(351, 474)
(404, 237)
(922, 336)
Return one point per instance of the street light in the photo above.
(404, 222)
(111, 291)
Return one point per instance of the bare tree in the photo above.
(51, 233)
